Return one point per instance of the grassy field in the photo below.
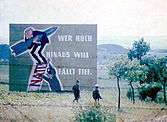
(58, 107)
(54, 107)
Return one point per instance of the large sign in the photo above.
(52, 57)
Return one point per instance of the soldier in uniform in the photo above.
(96, 94)
(76, 91)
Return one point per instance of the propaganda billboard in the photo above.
(52, 57)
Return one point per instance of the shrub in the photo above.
(129, 94)
(94, 114)
(149, 90)
(160, 97)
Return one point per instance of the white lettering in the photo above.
(81, 54)
(83, 38)
(66, 71)
(84, 71)
(57, 54)
(65, 37)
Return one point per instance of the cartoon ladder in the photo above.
(35, 79)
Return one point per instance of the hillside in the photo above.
(111, 48)
(106, 52)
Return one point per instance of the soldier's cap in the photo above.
(96, 85)
(77, 81)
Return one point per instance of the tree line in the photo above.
(148, 72)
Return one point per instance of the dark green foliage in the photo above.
(134, 73)
(149, 90)
(152, 75)
(157, 73)
(160, 97)
(129, 94)
(148, 60)
(131, 55)
(94, 114)
(139, 49)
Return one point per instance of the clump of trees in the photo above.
(157, 73)
(135, 73)
(149, 72)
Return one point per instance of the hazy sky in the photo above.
(118, 21)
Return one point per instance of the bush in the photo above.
(94, 114)
(160, 97)
(149, 90)
(129, 94)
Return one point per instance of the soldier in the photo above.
(76, 91)
(96, 94)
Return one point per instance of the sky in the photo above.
(118, 21)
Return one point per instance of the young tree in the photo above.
(135, 73)
(161, 69)
(118, 70)
(164, 75)
(131, 54)
(150, 62)
(139, 49)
